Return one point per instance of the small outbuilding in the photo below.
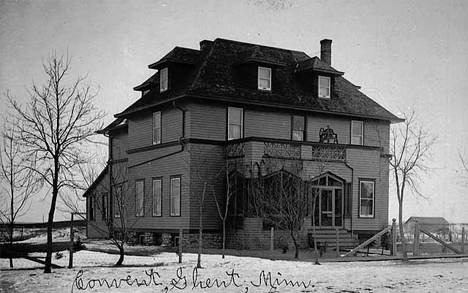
(435, 225)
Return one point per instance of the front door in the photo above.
(329, 208)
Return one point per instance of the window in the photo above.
(140, 198)
(91, 208)
(175, 196)
(264, 78)
(104, 203)
(157, 194)
(157, 127)
(117, 201)
(357, 132)
(324, 87)
(235, 121)
(163, 80)
(366, 199)
(298, 127)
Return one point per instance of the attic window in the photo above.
(163, 80)
(264, 78)
(324, 87)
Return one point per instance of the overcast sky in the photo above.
(404, 55)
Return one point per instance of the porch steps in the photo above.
(347, 240)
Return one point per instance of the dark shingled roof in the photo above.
(213, 75)
(179, 55)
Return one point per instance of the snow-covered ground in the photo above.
(93, 272)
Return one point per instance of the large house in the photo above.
(257, 114)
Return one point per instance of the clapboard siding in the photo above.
(207, 166)
(341, 126)
(267, 124)
(97, 228)
(377, 134)
(119, 145)
(207, 121)
(140, 128)
(367, 164)
(163, 168)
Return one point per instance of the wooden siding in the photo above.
(119, 145)
(207, 165)
(267, 124)
(164, 168)
(367, 164)
(97, 228)
(377, 134)
(207, 121)
(140, 128)
(341, 126)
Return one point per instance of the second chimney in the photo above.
(325, 51)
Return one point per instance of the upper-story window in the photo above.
(357, 133)
(298, 127)
(324, 87)
(163, 80)
(235, 123)
(157, 127)
(264, 78)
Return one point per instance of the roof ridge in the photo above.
(264, 46)
(199, 68)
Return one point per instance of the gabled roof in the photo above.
(117, 123)
(96, 182)
(428, 220)
(214, 76)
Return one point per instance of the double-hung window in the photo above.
(157, 127)
(235, 123)
(324, 87)
(157, 197)
(118, 204)
(175, 196)
(298, 127)
(140, 198)
(163, 80)
(92, 215)
(366, 198)
(104, 205)
(264, 78)
(357, 132)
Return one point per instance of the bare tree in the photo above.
(206, 175)
(21, 184)
(410, 150)
(53, 128)
(223, 210)
(463, 172)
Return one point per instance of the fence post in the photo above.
(337, 242)
(463, 240)
(70, 259)
(394, 245)
(272, 236)
(416, 239)
(180, 245)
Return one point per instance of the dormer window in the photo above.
(264, 78)
(163, 80)
(324, 87)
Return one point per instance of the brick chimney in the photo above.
(325, 51)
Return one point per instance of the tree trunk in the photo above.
(296, 245)
(11, 244)
(121, 255)
(50, 220)
(224, 238)
(402, 233)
